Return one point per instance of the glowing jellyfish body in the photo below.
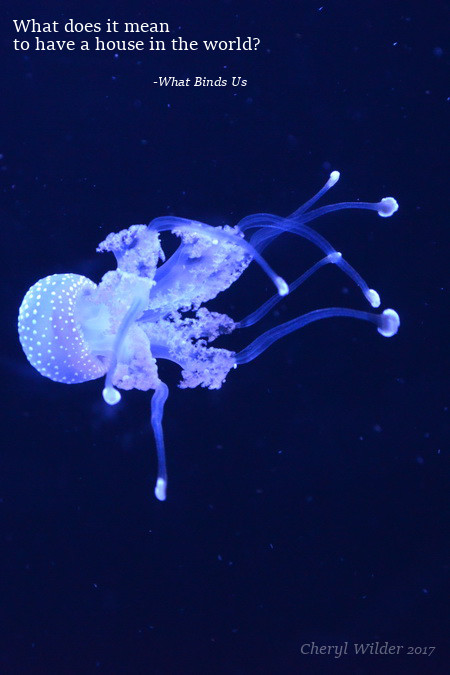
(149, 308)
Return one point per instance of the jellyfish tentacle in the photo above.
(111, 395)
(385, 208)
(265, 308)
(171, 223)
(387, 325)
(332, 180)
(157, 411)
(371, 295)
(262, 238)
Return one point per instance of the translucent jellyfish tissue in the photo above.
(150, 308)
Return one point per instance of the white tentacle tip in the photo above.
(111, 396)
(333, 179)
(373, 297)
(387, 206)
(389, 323)
(283, 288)
(160, 489)
(335, 257)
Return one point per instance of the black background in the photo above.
(308, 497)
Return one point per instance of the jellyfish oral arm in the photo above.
(267, 223)
(296, 223)
(158, 400)
(111, 395)
(265, 308)
(332, 180)
(387, 325)
(385, 208)
(73, 330)
(171, 223)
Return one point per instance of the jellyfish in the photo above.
(149, 308)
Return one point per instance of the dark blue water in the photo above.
(308, 497)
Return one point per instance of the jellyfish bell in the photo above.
(69, 328)
(51, 329)
(149, 308)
